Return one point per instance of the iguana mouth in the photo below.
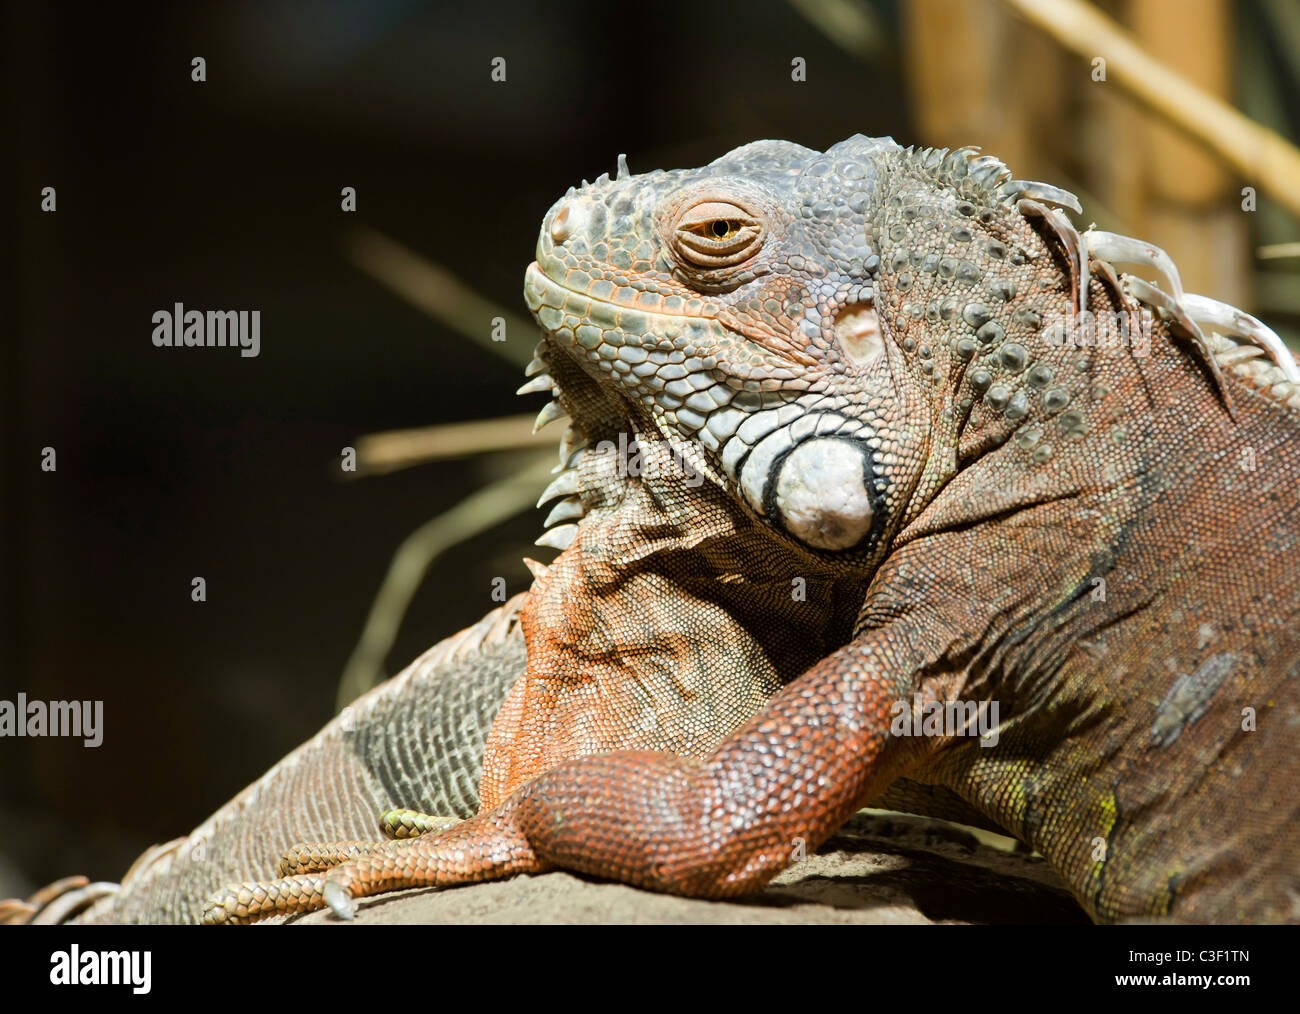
(635, 354)
(604, 414)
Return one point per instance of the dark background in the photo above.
(174, 463)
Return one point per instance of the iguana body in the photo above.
(917, 488)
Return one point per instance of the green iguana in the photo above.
(932, 506)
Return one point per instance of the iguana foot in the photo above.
(316, 857)
(297, 887)
(248, 902)
(490, 846)
(486, 847)
(413, 823)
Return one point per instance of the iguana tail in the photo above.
(414, 741)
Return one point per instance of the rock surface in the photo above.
(880, 868)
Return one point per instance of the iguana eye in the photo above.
(717, 234)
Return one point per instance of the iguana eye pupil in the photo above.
(722, 229)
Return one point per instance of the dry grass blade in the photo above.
(379, 453)
(1278, 251)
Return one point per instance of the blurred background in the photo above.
(376, 324)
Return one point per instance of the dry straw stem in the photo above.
(379, 453)
(1257, 154)
(1278, 251)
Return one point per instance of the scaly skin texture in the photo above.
(923, 477)
(860, 351)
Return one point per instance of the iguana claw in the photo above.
(338, 899)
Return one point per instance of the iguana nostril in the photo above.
(565, 222)
(560, 225)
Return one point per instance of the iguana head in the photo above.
(730, 308)
(827, 336)
(736, 309)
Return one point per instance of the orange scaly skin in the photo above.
(910, 487)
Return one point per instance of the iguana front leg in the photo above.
(714, 827)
